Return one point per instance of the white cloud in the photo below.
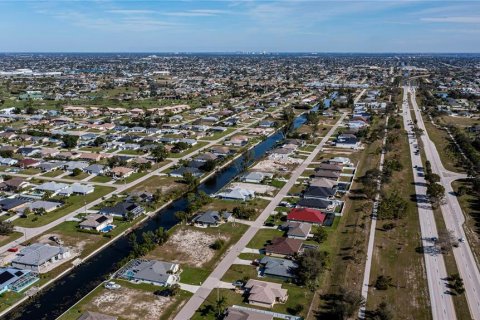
(460, 19)
(197, 13)
(130, 11)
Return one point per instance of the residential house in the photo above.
(16, 280)
(180, 172)
(246, 314)
(123, 209)
(283, 247)
(154, 272)
(39, 256)
(13, 184)
(278, 268)
(211, 218)
(297, 230)
(121, 172)
(236, 194)
(307, 215)
(256, 177)
(97, 222)
(97, 169)
(265, 294)
(319, 193)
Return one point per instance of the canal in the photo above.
(56, 299)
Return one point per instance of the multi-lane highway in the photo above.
(453, 216)
(441, 300)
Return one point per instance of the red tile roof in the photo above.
(307, 215)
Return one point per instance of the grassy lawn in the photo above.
(395, 250)
(79, 177)
(91, 149)
(11, 237)
(8, 299)
(194, 276)
(263, 236)
(132, 152)
(188, 151)
(134, 176)
(53, 174)
(442, 141)
(218, 135)
(101, 179)
(71, 204)
(168, 184)
(30, 171)
(240, 272)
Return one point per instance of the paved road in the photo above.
(441, 302)
(371, 239)
(454, 218)
(213, 280)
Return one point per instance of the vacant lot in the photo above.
(189, 246)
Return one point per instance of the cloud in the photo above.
(460, 19)
(197, 13)
(130, 11)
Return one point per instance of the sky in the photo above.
(239, 25)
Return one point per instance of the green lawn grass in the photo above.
(263, 236)
(71, 203)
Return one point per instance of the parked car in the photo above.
(110, 285)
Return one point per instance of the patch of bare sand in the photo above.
(191, 247)
(130, 304)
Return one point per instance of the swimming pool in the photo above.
(107, 228)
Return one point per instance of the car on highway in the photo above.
(462, 240)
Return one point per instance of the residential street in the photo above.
(213, 280)
(440, 300)
(454, 219)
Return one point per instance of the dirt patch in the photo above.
(130, 304)
(189, 246)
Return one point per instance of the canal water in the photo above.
(65, 292)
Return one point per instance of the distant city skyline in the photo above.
(240, 26)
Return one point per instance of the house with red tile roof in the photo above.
(307, 215)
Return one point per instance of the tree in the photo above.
(218, 244)
(320, 235)
(392, 207)
(98, 141)
(247, 158)
(446, 240)
(383, 311)
(209, 165)
(432, 177)
(40, 211)
(457, 283)
(46, 195)
(347, 304)
(159, 153)
(161, 235)
(76, 172)
(383, 282)
(289, 117)
(436, 193)
(191, 180)
(69, 141)
(220, 305)
(312, 119)
(310, 266)
(182, 216)
(174, 289)
(6, 228)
